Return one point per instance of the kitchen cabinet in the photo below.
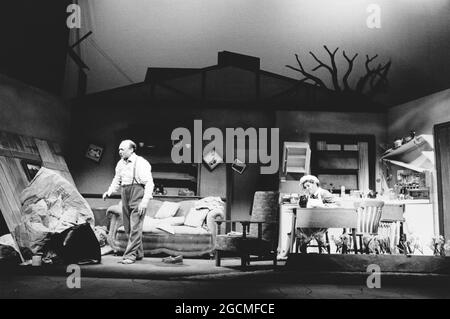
(296, 158)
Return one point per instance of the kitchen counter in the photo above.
(416, 214)
(349, 201)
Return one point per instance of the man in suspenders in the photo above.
(134, 177)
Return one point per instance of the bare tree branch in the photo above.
(321, 64)
(307, 75)
(381, 76)
(369, 73)
(349, 70)
(334, 72)
(371, 83)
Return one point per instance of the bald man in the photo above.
(134, 177)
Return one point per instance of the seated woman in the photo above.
(316, 197)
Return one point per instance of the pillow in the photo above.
(173, 221)
(151, 223)
(167, 228)
(196, 217)
(167, 209)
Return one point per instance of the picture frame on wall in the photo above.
(238, 166)
(94, 152)
(31, 168)
(212, 159)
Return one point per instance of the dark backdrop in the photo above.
(34, 38)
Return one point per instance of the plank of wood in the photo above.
(44, 151)
(11, 176)
(18, 177)
(9, 199)
(22, 155)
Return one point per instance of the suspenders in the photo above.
(134, 181)
(134, 172)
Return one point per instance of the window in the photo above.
(344, 160)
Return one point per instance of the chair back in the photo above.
(369, 216)
(265, 209)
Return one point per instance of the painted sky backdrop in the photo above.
(129, 36)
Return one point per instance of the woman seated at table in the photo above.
(316, 197)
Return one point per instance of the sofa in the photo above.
(177, 238)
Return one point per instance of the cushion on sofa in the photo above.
(185, 207)
(155, 204)
(151, 223)
(196, 217)
(167, 209)
(167, 228)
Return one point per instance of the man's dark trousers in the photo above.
(131, 198)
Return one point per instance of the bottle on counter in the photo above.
(342, 191)
(303, 201)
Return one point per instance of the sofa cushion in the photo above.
(196, 217)
(150, 224)
(185, 207)
(167, 209)
(154, 205)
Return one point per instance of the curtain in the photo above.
(363, 172)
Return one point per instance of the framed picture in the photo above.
(94, 152)
(238, 166)
(212, 159)
(31, 168)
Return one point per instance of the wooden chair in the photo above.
(391, 227)
(259, 234)
(369, 215)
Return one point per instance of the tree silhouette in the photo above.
(373, 82)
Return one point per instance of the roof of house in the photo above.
(236, 81)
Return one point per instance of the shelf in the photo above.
(174, 176)
(337, 171)
(423, 142)
(296, 170)
(339, 152)
(297, 156)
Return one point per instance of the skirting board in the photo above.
(360, 263)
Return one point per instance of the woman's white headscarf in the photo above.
(309, 178)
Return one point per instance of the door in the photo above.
(442, 149)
